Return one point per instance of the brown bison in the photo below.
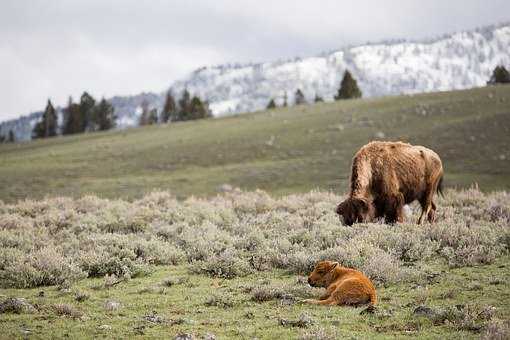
(386, 176)
(344, 286)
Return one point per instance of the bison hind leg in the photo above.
(431, 216)
(353, 299)
(428, 208)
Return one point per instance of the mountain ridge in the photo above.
(452, 61)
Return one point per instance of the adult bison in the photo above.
(387, 175)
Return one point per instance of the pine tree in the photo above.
(66, 124)
(47, 127)
(271, 105)
(11, 138)
(87, 104)
(348, 88)
(197, 109)
(299, 97)
(169, 112)
(37, 131)
(153, 117)
(500, 75)
(190, 108)
(184, 106)
(2, 139)
(144, 117)
(72, 118)
(104, 116)
(208, 112)
(318, 99)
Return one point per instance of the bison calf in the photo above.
(387, 175)
(344, 286)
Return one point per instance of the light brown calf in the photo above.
(344, 286)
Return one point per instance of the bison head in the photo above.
(322, 274)
(355, 210)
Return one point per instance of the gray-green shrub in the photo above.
(58, 240)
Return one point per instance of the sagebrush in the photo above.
(59, 240)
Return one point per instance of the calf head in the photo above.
(322, 274)
(355, 210)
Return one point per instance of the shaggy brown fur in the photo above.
(344, 286)
(386, 176)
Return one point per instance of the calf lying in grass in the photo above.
(344, 286)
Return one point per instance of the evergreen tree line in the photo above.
(185, 108)
(348, 90)
(500, 75)
(87, 115)
(9, 139)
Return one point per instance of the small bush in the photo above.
(172, 281)
(267, 293)
(449, 294)
(262, 293)
(222, 301)
(301, 262)
(112, 306)
(150, 289)
(497, 330)
(469, 318)
(112, 280)
(319, 333)
(497, 210)
(381, 267)
(42, 268)
(64, 309)
(471, 255)
(304, 321)
(16, 306)
(81, 296)
(153, 317)
(226, 265)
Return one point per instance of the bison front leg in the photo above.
(394, 209)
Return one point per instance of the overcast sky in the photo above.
(56, 48)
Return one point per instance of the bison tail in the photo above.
(440, 186)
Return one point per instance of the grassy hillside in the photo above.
(281, 151)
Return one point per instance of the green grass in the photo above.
(282, 151)
(184, 310)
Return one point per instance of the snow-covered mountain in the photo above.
(457, 61)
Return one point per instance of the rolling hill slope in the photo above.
(284, 150)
